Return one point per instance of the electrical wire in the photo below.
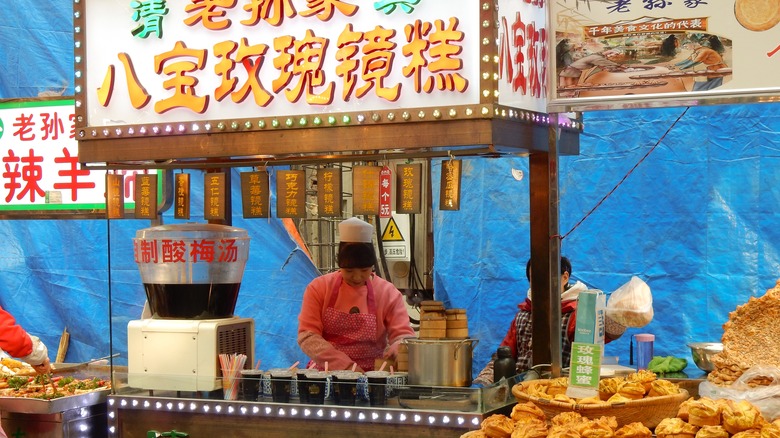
(598, 204)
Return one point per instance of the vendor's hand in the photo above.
(392, 351)
(44, 368)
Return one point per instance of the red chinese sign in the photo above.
(385, 192)
(181, 251)
(40, 165)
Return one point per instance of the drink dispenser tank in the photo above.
(191, 271)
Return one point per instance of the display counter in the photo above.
(407, 411)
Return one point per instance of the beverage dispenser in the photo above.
(192, 275)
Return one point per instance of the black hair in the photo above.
(356, 255)
(714, 42)
(565, 267)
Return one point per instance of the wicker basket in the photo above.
(650, 410)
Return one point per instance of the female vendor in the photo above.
(352, 316)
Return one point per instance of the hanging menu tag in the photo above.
(385, 192)
(449, 192)
(214, 196)
(329, 196)
(408, 188)
(181, 200)
(145, 196)
(365, 190)
(291, 193)
(115, 196)
(255, 196)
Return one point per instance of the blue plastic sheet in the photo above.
(694, 218)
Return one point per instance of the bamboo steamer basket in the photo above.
(649, 410)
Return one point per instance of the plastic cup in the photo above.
(345, 385)
(644, 350)
(281, 380)
(229, 388)
(251, 381)
(302, 382)
(377, 387)
(316, 384)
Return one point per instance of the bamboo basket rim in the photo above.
(639, 403)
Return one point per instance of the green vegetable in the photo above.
(17, 382)
(668, 364)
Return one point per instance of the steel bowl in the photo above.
(702, 353)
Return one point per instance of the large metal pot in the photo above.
(444, 362)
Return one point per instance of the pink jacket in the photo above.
(391, 314)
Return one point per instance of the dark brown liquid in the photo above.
(192, 301)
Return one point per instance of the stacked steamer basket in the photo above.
(442, 353)
(436, 322)
(402, 360)
(457, 324)
(433, 320)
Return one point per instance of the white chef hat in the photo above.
(355, 230)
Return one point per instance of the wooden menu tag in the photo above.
(115, 196)
(255, 195)
(145, 196)
(291, 193)
(408, 188)
(449, 193)
(214, 196)
(329, 194)
(181, 200)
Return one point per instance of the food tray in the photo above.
(649, 410)
(24, 405)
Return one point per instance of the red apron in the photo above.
(353, 333)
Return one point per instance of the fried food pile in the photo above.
(635, 386)
(13, 367)
(717, 418)
(749, 338)
(696, 418)
(528, 421)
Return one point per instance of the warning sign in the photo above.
(392, 233)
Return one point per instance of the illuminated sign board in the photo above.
(157, 68)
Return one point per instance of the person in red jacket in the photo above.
(15, 341)
(519, 336)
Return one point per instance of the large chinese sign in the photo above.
(147, 69)
(625, 53)
(162, 60)
(41, 173)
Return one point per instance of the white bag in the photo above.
(631, 304)
(765, 398)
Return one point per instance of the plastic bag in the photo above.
(765, 398)
(631, 304)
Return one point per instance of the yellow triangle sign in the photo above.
(391, 233)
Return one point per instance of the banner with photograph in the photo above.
(637, 53)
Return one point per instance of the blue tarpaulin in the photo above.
(691, 212)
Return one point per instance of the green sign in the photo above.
(585, 365)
